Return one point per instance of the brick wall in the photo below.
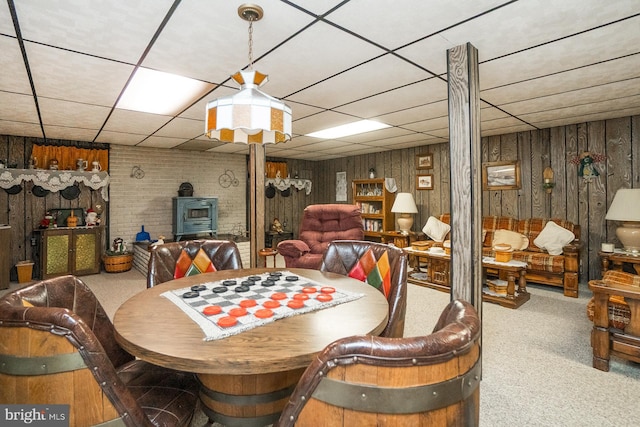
(147, 201)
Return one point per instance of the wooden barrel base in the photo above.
(247, 400)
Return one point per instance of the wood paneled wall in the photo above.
(572, 198)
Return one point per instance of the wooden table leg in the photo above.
(247, 400)
(522, 282)
(600, 332)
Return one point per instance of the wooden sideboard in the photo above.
(68, 250)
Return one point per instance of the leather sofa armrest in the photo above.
(293, 248)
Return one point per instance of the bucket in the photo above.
(25, 271)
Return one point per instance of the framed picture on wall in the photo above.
(501, 175)
(424, 161)
(341, 186)
(424, 182)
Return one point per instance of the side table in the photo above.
(397, 238)
(266, 253)
(618, 259)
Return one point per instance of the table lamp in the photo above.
(405, 206)
(626, 209)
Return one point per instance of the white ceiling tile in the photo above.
(429, 125)
(598, 74)
(20, 129)
(393, 24)
(182, 128)
(397, 100)
(14, 76)
(58, 113)
(119, 138)
(69, 133)
(215, 35)
(6, 24)
(119, 30)
(73, 77)
(577, 111)
(161, 142)
(358, 82)
(416, 114)
(135, 122)
(313, 60)
(605, 43)
(18, 107)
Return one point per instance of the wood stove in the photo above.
(195, 215)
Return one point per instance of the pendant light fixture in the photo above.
(250, 116)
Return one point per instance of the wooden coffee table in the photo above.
(246, 378)
(437, 275)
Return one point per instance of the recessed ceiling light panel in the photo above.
(157, 92)
(348, 129)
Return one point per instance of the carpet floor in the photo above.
(536, 359)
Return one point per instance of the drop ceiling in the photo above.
(542, 64)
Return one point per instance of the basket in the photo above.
(503, 252)
(117, 263)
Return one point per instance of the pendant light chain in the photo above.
(251, 44)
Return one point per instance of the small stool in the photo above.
(267, 252)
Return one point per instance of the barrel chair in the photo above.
(378, 264)
(178, 259)
(57, 346)
(320, 225)
(430, 380)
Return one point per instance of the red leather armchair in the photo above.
(223, 254)
(342, 255)
(59, 347)
(430, 380)
(321, 224)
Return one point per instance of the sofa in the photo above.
(555, 265)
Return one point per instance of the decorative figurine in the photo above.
(92, 217)
(276, 226)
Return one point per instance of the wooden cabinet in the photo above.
(375, 203)
(67, 250)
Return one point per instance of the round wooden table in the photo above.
(247, 378)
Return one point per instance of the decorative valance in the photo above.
(284, 183)
(55, 180)
(67, 156)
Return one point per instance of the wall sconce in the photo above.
(548, 183)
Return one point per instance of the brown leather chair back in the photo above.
(58, 347)
(342, 255)
(321, 225)
(426, 380)
(224, 255)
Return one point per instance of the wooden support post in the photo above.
(466, 185)
(256, 200)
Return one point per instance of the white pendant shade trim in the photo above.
(250, 116)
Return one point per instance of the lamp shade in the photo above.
(625, 205)
(626, 208)
(250, 116)
(404, 203)
(405, 206)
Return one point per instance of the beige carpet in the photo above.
(536, 359)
